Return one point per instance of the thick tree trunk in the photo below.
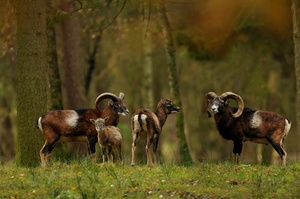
(31, 76)
(296, 34)
(173, 81)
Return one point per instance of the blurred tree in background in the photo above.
(118, 46)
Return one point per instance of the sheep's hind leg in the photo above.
(45, 152)
(155, 145)
(280, 150)
(135, 138)
(148, 153)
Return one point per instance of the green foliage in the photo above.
(206, 180)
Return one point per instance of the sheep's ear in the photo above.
(92, 120)
(106, 118)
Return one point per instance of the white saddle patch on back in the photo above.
(72, 118)
(255, 121)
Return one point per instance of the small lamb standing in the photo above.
(146, 125)
(244, 124)
(109, 138)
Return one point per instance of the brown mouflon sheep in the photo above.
(244, 124)
(147, 125)
(109, 138)
(75, 125)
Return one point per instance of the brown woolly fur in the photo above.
(75, 125)
(249, 125)
(109, 138)
(147, 126)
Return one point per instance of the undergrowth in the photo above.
(200, 180)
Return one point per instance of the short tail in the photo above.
(39, 123)
(288, 125)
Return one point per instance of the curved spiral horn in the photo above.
(103, 96)
(238, 99)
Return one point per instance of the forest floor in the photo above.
(85, 179)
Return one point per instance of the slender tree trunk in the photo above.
(7, 141)
(73, 68)
(7, 150)
(54, 83)
(296, 34)
(147, 58)
(148, 72)
(173, 81)
(31, 75)
(95, 47)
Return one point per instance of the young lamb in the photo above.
(109, 138)
(147, 126)
(244, 124)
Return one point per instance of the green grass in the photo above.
(204, 180)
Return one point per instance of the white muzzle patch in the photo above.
(215, 108)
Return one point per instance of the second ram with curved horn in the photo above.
(243, 124)
(75, 125)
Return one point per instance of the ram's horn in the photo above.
(103, 96)
(238, 99)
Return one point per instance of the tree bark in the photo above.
(31, 76)
(54, 83)
(73, 62)
(73, 68)
(8, 77)
(296, 35)
(173, 82)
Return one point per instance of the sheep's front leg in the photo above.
(104, 156)
(119, 148)
(111, 155)
(237, 149)
(92, 148)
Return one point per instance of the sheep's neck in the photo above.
(113, 116)
(161, 115)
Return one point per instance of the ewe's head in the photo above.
(99, 123)
(169, 106)
(219, 103)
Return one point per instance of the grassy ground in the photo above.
(204, 180)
